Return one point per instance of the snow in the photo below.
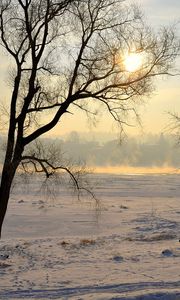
(126, 248)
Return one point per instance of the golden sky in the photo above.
(166, 97)
(154, 111)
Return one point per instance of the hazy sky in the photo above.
(167, 94)
(166, 97)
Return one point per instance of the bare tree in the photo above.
(174, 126)
(70, 54)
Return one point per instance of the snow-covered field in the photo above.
(61, 248)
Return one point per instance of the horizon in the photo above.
(148, 154)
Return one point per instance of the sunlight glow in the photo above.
(133, 62)
(129, 170)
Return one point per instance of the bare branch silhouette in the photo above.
(71, 54)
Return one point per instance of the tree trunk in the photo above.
(5, 188)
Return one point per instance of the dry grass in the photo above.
(87, 242)
(64, 243)
(4, 265)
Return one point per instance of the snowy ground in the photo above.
(65, 249)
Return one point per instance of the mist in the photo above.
(152, 151)
(147, 151)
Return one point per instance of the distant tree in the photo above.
(71, 53)
(174, 126)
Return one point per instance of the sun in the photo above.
(133, 62)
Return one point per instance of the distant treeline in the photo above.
(147, 151)
(151, 150)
